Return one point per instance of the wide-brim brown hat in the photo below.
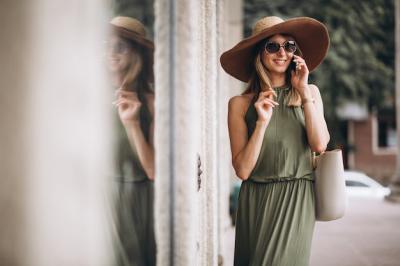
(131, 29)
(310, 35)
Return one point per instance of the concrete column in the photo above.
(192, 94)
(230, 31)
(209, 114)
(56, 134)
(177, 128)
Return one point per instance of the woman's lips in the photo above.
(114, 61)
(280, 62)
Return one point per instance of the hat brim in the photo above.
(133, 36)
(310, 35)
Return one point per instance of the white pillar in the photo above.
(230, 31)
(56, 134)
(192, 95)
(176, 132)
(209, 115)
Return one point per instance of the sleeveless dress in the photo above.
(135, 241)
(276, 209)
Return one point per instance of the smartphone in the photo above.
(292, 65)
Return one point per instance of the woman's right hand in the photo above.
(264, 105)
(128, 105)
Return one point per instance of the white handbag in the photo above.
(330, 186)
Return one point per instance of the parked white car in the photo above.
(359, 184)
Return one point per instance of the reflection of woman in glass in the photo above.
(130, 60)
(273, 127)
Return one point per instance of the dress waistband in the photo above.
(308, 177)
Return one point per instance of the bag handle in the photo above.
(314, 159)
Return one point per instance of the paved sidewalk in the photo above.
(368, 235)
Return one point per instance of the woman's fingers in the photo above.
(120, 102)
(126, 101)
(127, 94)
(265, 107)
(267, 102)
(301, 65)
(299, 58)
(266, 94)
(300, 62)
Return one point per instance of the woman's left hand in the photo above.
(299, 78)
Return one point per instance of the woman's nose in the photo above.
(281, 51)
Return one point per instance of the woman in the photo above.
(130, 60)
(274, 126)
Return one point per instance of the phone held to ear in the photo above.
(292, 65)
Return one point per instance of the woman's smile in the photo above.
(280, 62)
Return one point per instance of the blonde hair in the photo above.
(139, 75)
(138, 78)
(260, 80)
(131, 75)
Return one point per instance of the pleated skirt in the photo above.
(275, 223)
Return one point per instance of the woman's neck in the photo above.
(117, 80)
(278, 80)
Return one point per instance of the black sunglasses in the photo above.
(119, 47)
(273, 47)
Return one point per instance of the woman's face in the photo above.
(119, 54)
(277, 62)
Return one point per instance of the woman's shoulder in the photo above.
(240, 102)
(315, 93)
(314, 89)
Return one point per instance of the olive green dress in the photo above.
(276, 211)
(135, 241)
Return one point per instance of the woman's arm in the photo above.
(317, 130)
(129, 107)
(144, 149)
(245, 151)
